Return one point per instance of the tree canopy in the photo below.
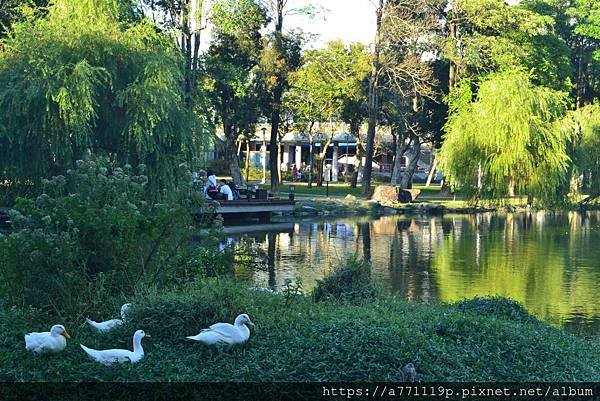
(80, 80)
(510, 132)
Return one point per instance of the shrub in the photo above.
(95, 232)
(495, 306)
(351, 282)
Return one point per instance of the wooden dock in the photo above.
(260, 209)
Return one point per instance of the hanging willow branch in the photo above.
(511, 130)
(79, 80)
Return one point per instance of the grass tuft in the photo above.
(350, 282)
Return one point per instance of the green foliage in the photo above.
(352, 282)
(496, 36)
(584, 125)
(291, 290)
(93, 234)
(330, 84)
(498, 307)
(78, 79)
(305, 341)
(229, 81)
(586, 13)
(237, 18)
(13, 10)
(511, 129)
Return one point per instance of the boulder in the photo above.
(391, 194)
(385, 193)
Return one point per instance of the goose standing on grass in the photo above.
(227, 333)
(110, 356)
(54, 340)
(104, 327)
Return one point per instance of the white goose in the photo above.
(110, 356)
(236, 333)
(104, 327)
(54, 340)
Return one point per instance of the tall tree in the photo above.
(327, 88)
(282, 56)
(577, 24)
(409, 44)
(230, 79)
(184, 19)
(373, 103)
(79, 79)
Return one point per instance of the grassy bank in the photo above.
(301, 340)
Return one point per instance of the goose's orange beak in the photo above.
(66, 334)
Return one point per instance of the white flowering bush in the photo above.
(95, 234)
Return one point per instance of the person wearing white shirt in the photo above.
(212, 179)
(210, 189)
(226, 190)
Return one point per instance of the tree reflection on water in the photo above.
(550, 262)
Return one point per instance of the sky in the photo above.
(349, 20)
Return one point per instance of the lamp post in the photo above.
(264, 156)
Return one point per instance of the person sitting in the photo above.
(211, 189)
(226, 191)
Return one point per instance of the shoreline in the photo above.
(351, 206)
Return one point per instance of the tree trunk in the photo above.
(510, 188)
(276, 105)
(373, 105)
(401, 147)
(196, 10)
(186, 47)
(355, 131)
(431, 170)
(411, 167)
(580, 85)
(274, 146)
(247, 159)
(279, 158)
(321, 162)
(231, 155)
(310, 160)
(453, 67)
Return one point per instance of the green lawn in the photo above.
(343, 189)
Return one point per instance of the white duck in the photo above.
(54, 340)
(108, 325)
(110, 356)
(236, 333)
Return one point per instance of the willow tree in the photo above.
(509, 133)
(583, 125)
(78, 79)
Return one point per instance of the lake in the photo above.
(550, 262)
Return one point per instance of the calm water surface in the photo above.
(549, 262)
